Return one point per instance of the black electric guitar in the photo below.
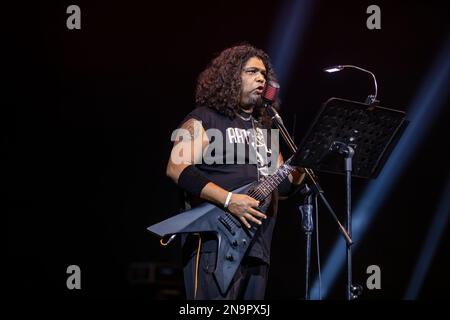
(233, 238)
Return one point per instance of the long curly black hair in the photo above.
(219, 85)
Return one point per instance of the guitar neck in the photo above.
(270, 183)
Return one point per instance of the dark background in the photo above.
(93, 111)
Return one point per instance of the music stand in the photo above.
(371, 131)
(364, 134)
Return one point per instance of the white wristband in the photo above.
(227, 201)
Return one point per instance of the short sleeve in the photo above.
(203, 114)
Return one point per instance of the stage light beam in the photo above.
(424, 109)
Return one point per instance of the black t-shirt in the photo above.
(239, 152)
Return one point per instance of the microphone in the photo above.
(268, 97)
(270, 93)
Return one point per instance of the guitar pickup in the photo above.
(227, 225)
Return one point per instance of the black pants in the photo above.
(249, 282)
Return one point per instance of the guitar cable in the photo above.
(161, 241)
(317, 246)
(196, 265)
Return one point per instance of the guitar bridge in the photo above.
(229, 223)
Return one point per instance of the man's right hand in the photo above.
(243, 207)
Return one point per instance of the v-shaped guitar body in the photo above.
(233, 238)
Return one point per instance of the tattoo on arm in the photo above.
(193, 127)
(189, 143)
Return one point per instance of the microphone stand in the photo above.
(308, 226)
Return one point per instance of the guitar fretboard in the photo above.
(270, 183)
